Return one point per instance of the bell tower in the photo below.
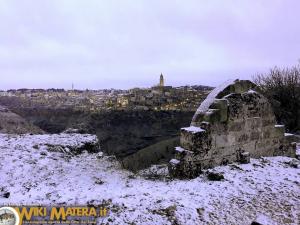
(161, 80)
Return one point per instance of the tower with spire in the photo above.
(161, 80)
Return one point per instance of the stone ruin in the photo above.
(235, 122)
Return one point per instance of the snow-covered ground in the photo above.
(267, 188)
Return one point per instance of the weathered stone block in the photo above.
(221, 140)
(175, 168)
(205, 126)
(212, 116)
(278, 131)
(266, 121)
(222, 105)
(254, 135)
(213, 176)
(237, 125)
(242, 156)
(266, 134)
(253, 123)
(181, 153)
(195, 140)
(245, 157)
(291, 138)
(242, 138)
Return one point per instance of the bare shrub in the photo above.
(282, 88)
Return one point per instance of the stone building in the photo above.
(235, 122)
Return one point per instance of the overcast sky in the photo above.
(128, 43)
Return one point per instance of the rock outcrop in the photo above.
(72, 143)
(13, 123)
(235, 122)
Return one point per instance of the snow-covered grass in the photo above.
(267, 188)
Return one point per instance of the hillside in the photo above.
(121, 133)
(160, 152)
(13, 123)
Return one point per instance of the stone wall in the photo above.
(234, 123)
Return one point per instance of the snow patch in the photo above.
(268, 186)
(251, 91)
(174, 161)
(179, 149)
(193, 129)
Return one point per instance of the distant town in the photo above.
(158, 97)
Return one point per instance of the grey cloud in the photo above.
(102, 44)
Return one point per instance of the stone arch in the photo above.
(235, 122)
